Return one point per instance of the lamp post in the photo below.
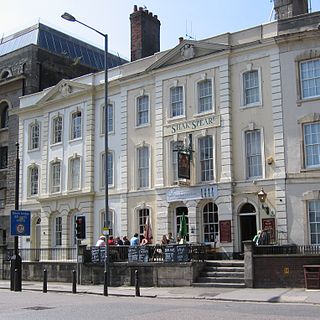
(71, 18)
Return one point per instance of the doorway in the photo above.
(248, 223)
(179, 212)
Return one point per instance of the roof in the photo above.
(59, 43)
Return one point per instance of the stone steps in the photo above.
(222, 273)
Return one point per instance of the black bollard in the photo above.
(45, 281)
(137, 285)
(16, 280)
(74, 281)
(105, 284)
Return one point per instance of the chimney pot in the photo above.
(180, 39)
(155, 16)
(150, 14)
(146, 11)
(140, 9)
(135, 8)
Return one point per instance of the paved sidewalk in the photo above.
(282, 295)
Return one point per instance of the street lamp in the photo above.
(71, 18)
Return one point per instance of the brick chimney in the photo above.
(145, 33)
(289, 8)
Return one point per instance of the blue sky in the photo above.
(197, 18)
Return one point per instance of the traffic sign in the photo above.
(20, 222)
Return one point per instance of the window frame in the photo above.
(301, 80)
(76, 127)
(316, 222)
(182, 101)
(214, 223)
(53, 185)
(143, 167)
(247, 170)
(33, 146)
(78, 171)
(146, 111)
(201, 98)
(57, 130)
(58, 232)
(244, 102)
(203, 162)
(3, 157)
(111, 120)
(305, 160)
(32, 182)
(142, 214)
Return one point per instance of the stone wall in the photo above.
(121, 273)
(281, 271)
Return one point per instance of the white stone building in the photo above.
(244, 104)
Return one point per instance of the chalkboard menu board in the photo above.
(133, 254)
(170, 253)
(98, 254)
(182, 253)
(176, 253)
(138, 253)
(143, 254)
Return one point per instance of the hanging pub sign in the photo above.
(183, 165)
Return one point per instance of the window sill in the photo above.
(303, 100)
(177, 118)
(34, 150)
(249, 106)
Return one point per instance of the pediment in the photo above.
(311, 117)
(62, 90)
(188, 50)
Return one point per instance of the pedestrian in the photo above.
(101, 241)
(256, 238)
(118, 241)
(143, 241)
(170, 238)
(134, 241)
(164, 240)
(126, 241)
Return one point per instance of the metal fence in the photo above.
(153, 253)
(287, 249)
(45, 254)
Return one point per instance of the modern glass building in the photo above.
(59, 43)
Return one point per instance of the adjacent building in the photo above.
(243, 107)
(30, 61)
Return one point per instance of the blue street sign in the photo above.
(20, 223)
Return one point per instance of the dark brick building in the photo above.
(30, 61)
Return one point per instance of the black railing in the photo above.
(148, 253)
(287, 249)
(45, 254)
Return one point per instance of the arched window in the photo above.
(210, 222)
(57, 129)
(34, 180)
(76, 125)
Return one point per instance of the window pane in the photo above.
(55, 175)
(57, 129)
(251, 87)
(143, 167)
(142, 110)
(34, 181)
(312, 144)
(210, 222)
(142, 216)
(310, 78)
(314, 221)
(176, 101)
(205, 95)
(206, 158)
(76, 125)
(75, 173)
(253, 154)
